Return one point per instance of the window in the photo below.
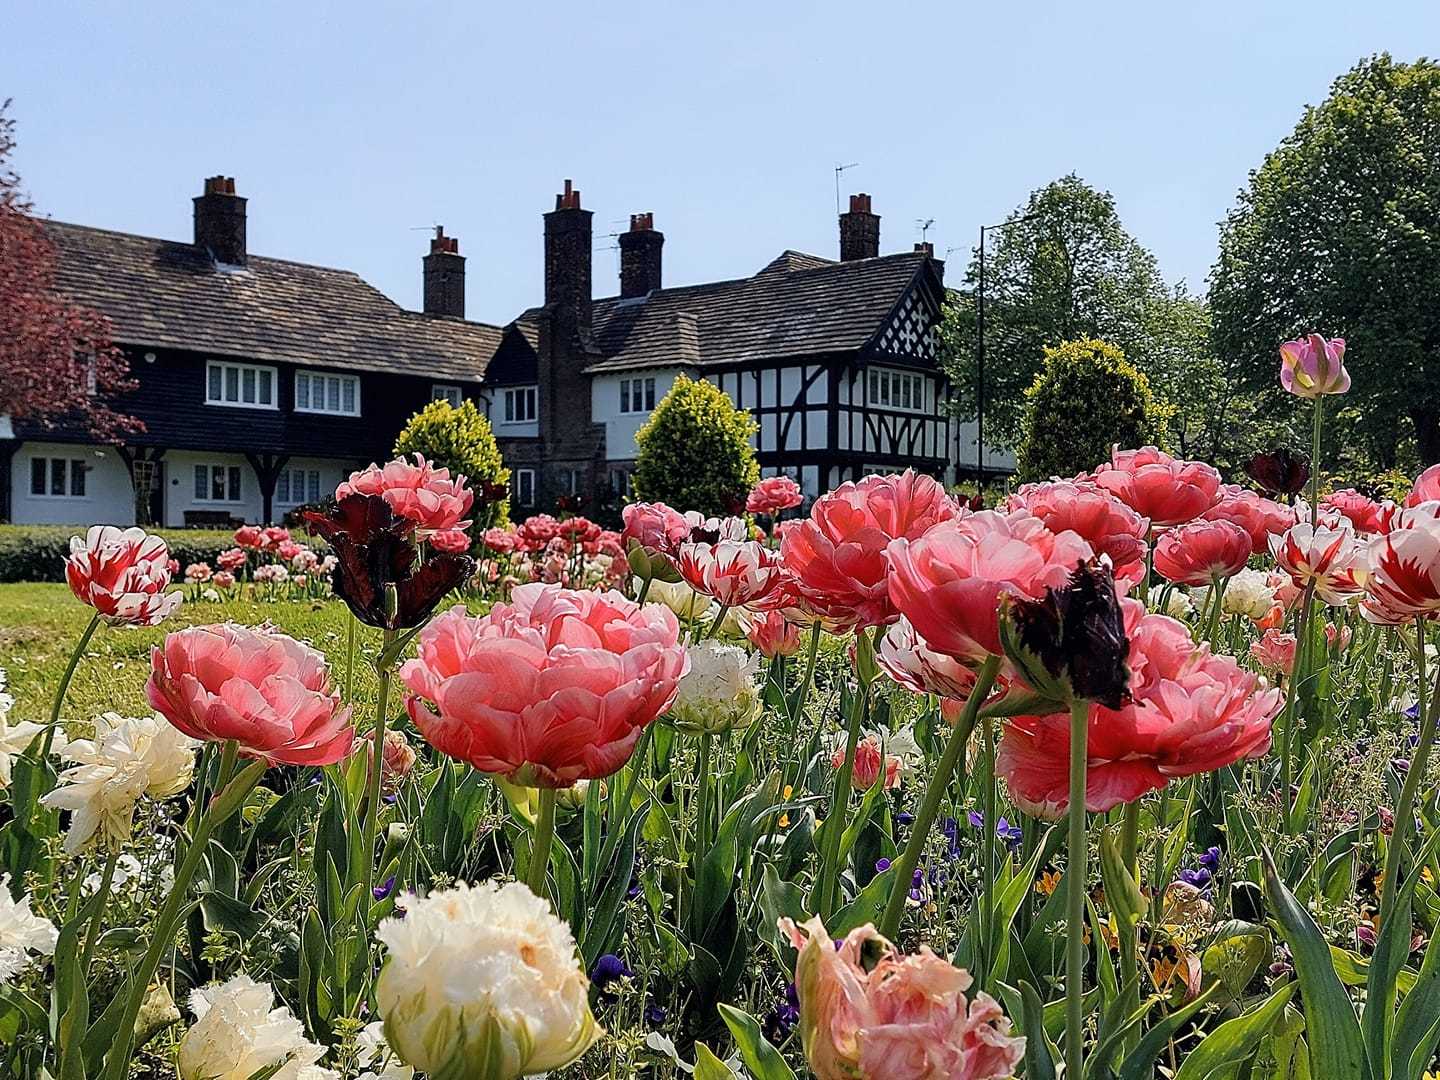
(296, 486)
(637, 395)
(321, 393)
(896, 390)
(58, 478)
(241, 386)
(620, 483)
(521, 404)
(442, 392)
(217, 483)
(524, 487)
(573, 481)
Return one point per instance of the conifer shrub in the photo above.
(460, 439)
(695, 451)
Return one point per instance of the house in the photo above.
(261, 382)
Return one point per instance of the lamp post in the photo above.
(980, 352)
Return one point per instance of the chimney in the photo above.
(220, 221)
(926, 248)
(859, 230)
(640, 256)
(444, 276)
(567, 259)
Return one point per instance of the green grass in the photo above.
(40, 623)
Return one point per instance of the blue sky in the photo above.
(349, 125)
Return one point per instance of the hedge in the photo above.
(37, 552)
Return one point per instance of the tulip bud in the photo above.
(1313, 367)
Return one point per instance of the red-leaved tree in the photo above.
(58, 365)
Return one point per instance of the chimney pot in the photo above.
(220, 221)
(640, 262)
(569, 199)
(444, 276)
(568, 259)
(859, 230)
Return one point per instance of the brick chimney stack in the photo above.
(859, 230)
(567, 260)
(640, 256)
(925, 247)
(220, 221)
(444, 276)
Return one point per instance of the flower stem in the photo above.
(1129, 935)
(64, 686)
(1077, 855)
(1405, 807)
(385, 670)
(540, 844)
(350, 659)
(1315, 462)
(1217, 605)
(939, 783)
(702, 797)
(637, 763)
(102, 894)
(987, 830)
(1287, 762)
(839, 805)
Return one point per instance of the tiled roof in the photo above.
(171, 295)
(797, 305)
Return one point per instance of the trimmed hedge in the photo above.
(37, 552)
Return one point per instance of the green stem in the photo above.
(1217, 605)
(644, 590)
(1129, 935)
(637, 763)
(377, 761)
(1157, 870)
(1405, 807)
(1315, 462)
(64, 687)
(840, 803)
(803, 694)
(935, 791)
(1287, 743)
(350, 659)
(92, 935)
(987, 829)
(702, 797)
(540, 845)
(1077, 856)
(231, 799)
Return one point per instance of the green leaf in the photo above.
(759, 1056)
(1140, 1064)
(1040, 1056)
(1235, 1040)
(708, 1066)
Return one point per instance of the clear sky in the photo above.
(348, 125)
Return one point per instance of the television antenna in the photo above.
(924, 224)
(838, 170)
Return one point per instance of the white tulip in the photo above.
(238, 1032)
(720, 691)
(22, 932)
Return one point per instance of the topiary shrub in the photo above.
(460, 439)
(695, 451)
(1086, 399)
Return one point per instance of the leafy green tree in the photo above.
(1062, 269)
(1338, 232)
(695, 451)
(1086, 399)
(460, 439)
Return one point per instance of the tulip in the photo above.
(1261, 518)
(452, 541)
(415, 490)
(719, 692)
(1106, 524)
(773, 495)
(1155, 485)
(1279, 471)
(869, 1013)
(238, 1032)
(905, 656)
(1202, 552)
(772, 633)
(1404, 580)
(1363, 512)
(1275, 652)
(1427, 487)
(1328, 559)
(1313, 367)
(736, 573)
(122, 574)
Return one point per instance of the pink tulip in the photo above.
(554, 687)
(287, 549)
(1329, 557)
(1312, 367)
(655, 527)
(197, 573)
(870, 763)
(223, 579)
(774, 494)
(905, 657)
(122, 574)
(231, 559)
(1106, 523)
(735, 573)
(1191, 711)
(869, 1013)
(1338, 638)
(1362, 511)
(1274, 652)
(455, 541)
(1197, 553)
(1164, 489)
(838, 554)
(416, 490)
(272, 537)
(263, 689)
(1427, 487)
(1260, 517)
(538, 530)
(501, 541)
(248, 536)
(949, 582)
(772, 633)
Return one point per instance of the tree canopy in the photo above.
(1338, 231)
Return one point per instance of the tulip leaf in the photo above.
(1040, 1055)
(1415, 1033)
(1337, 1047)
(1235, 1040)
(759, 1056)
(1140, 1063)
(708, 1066)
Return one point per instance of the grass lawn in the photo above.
(39, 625)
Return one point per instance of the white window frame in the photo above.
(637, 396)
(897, 390)
(512, 403)
(341, 380)
(620, 482)
(310, 480)
(73, 467)
(232, 472)
(255, 371)
(524, 478)
(447, 392)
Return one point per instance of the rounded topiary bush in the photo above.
(460, 439)
(695, 452)
(1086, 399)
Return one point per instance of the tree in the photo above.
(1338, 231)
(58, 365)
(695, 451)
(1064, 268)
(1086, 400)
(460, 439)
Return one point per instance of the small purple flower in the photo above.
(1199, 878)
(917, 885)
(976, 819)
(1210, 860)
(881, 865)
(381, 891)
(1011, 834)
(655, 1014)
(608, 969)
(903, 818)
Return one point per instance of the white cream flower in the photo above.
(1247, 593)
(685, 602)
(22, 932)
(720, 691)
(14, 738)
(373, 1054)
(1177, 603)
(128, 758)
(487, 976)
(237, 1032)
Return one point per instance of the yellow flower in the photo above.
(1048, 882)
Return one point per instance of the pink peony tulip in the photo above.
(774, 494)
(122, 574)
(261, 688)
(231, 559)
(1198, 553)
(1332, 558)
(1260, 517)
(416, 490)
(272, 537)
(949, 582)
(538, 530)
(871, 763)
(838, 555)
(735, 573)
(198, 573)
(248, 536)
(501, 541)
(1164, 489)
(1313, 367)
(1404, 579)
(1362, 511)
(869, 1013)
(1190, 711)
(554, 687)
(772, 633)
(455, 541)
(223, 579)
(1427, 487)
(1274, 652)
(1106, 523)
